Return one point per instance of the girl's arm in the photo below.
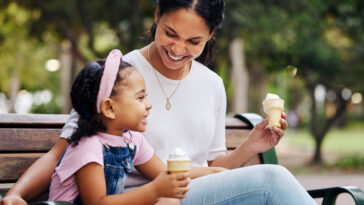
(37, 178)
(155, 166)
(93, 191)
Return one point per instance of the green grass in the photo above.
(347, 144)
(339, 141)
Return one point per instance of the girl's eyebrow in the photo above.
(172, 30)
(140, 91)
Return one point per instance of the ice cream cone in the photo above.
(178, 166)
(273, 107)
(178, 161)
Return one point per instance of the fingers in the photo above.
(284, 124)
(262, 124)
(283, 115)
(182, 176)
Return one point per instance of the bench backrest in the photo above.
(24, 138)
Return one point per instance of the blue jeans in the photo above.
(260, 184)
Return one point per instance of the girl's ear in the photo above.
(156, 15)
(107, 108)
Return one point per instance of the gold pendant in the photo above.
(168, 104)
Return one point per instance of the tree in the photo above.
(22, 57)
(322, 39)
(91, 27)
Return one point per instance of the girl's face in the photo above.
(131, 105)
(180, 36)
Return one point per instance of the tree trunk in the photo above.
(14, 90)
(317, 158)
(66, 75)
(239, 77)
(257, 87)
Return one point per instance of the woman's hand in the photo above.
(262, 138)
(167, 201)
(13, 200)
(171, 185)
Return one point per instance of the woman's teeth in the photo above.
(174, 57)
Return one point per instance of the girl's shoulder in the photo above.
(88, 149)
(135, 137)
(144, 151)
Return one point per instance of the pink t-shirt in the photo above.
(90, 149)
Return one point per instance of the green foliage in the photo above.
(22, 56)
(349, 162)
(49, 108)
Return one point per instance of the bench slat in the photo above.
(12, 166)
(234, 137)
(56, 120)
(27, 140)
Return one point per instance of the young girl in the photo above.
(111, 99)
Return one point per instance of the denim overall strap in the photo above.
(118, 163)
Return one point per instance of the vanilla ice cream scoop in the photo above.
(273, 106)
(178, 161)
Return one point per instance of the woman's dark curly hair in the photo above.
(84, 95)
(210, 10)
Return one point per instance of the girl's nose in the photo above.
(148, 105)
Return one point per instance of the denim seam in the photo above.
(263, 190)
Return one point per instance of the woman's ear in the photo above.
(211, 34)
(107, 108)
(156, 15)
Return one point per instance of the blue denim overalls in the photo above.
(118, 163)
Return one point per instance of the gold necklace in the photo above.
(168, 103)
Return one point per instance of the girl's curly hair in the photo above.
(84, 95)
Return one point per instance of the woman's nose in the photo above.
(178, 48)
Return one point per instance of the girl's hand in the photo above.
(171, 185)
(262, 138)
(13, 200)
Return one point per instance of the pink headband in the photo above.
(108, 77)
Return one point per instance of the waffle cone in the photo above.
(178, 166)
(274, 116)
(273, 108)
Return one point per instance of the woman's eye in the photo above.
(170, 34)
(194, 42)
(141, 97)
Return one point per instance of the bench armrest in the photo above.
(249, 118)
(330, 195)
(51, 203)
(268, 157)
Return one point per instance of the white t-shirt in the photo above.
(196, 120)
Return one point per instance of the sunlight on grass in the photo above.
(339, 141)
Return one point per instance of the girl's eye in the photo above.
(142, 97)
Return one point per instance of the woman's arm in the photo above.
(196, 172)
(93, 191)
(37, 178)
(260, 139)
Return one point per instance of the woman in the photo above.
(189, 107)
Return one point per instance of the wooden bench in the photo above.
(24, 138)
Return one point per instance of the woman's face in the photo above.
(180, 36)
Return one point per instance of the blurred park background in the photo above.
(310, 52)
